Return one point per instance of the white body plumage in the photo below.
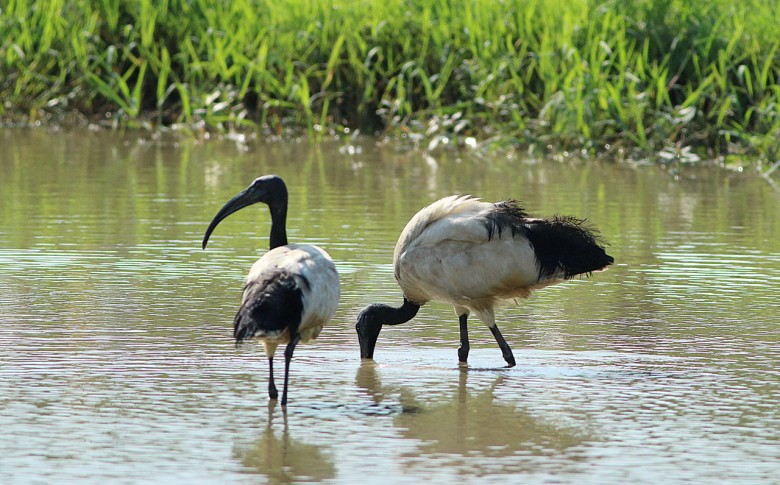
(314, 275)
(445, 254)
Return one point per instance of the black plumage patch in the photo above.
(270, 306)
(565, 244)
(561, 244)
(507, 215)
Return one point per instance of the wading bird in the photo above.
(291, 292)
(473, 254)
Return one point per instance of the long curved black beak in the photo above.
(241, 200)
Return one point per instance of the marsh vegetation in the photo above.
(668, 80)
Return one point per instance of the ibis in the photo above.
(291, 291)
(473, 254)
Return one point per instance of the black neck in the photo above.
(278, 223)
(373, 317)
(389, 315)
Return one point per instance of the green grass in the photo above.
(671, 79)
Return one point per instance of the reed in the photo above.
(671, 79)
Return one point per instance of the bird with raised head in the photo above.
(291, 292)
(473, 254)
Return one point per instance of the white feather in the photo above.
(444, 254)
(315, 275)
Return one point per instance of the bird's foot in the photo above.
(510, 361)
(273, 394)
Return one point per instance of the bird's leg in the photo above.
(505, 350)
(272, 393)
(288, 353)
(463, 351)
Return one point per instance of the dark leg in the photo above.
(271, 386)
(463, 351)
(288, 353)
(505, 350)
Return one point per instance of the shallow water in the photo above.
(117, 364)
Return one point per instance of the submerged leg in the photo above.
(463, 351)
(505, 350)
(288, 353)
(272, 393)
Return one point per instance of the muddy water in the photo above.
(117, 364)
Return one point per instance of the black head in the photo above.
(368, 327)
(371, 319)
(269, 189)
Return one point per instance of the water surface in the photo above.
(117, 364)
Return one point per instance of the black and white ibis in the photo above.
(473, 254)
(291, 292)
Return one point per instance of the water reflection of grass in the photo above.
(471, 430)
(657, 76)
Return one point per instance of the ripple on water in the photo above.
(117, 363)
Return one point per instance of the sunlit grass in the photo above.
(682, 79)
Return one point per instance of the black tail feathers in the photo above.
(567, 245)
(270, 306)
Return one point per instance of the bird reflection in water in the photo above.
(473, 429)
(285, 460)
